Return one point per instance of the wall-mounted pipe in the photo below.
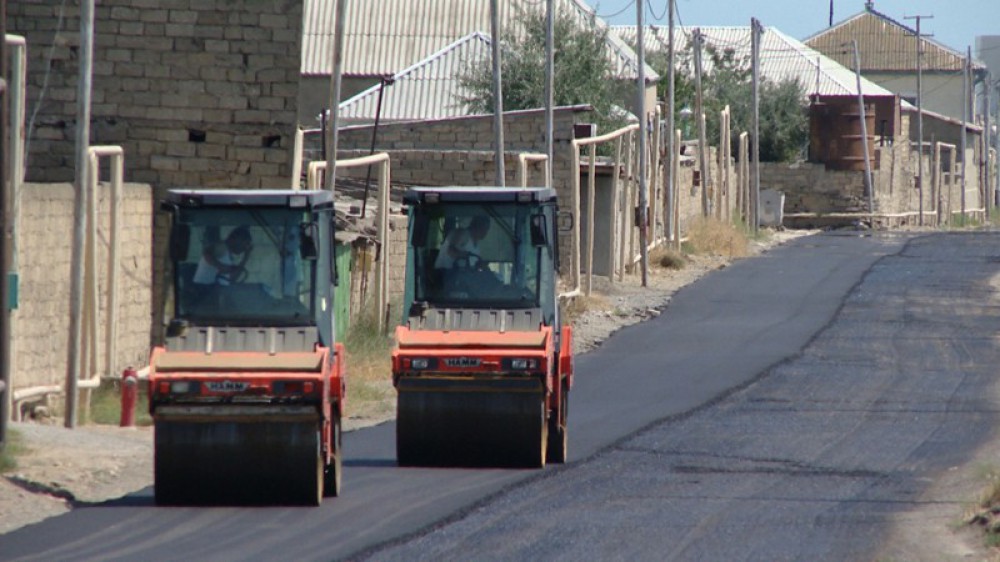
(117, 157)
(523, 160)
(297, 148)
(575, 257)
(317, 170)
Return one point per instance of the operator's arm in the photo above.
(210, 255)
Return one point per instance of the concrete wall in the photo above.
(198, 93)
(811, 189)
(942, 91)
(40, 331)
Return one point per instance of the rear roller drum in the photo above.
(334, 473)
(558, 430)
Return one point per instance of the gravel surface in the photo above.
(63, 469)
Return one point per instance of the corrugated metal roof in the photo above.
(426, 90)
(885, 44)
(781, 57)
(381, 37)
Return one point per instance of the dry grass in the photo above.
(572, 309)
(13, 447)
(991, 495)
(714, 237)
(106, 405)
(986, 513)
(667, 258)
(368, 369)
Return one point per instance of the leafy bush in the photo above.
(583, 72)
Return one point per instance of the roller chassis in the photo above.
(247, 392)
(482, 367)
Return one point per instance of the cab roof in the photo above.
(484, 194)
(249, 198)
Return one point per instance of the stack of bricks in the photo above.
(199, 93)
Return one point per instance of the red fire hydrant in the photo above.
(130, 392)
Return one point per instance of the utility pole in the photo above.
(966, 68)
(755, 32)
(920, 116)
(987, 194)
(5, 391)
(333, 123)
(869, 188)
(497, 92)
(550, 88)
(831, 13)
(699, 112)
(671, 183)
(83, 92)
(643, 156)
(996, 143)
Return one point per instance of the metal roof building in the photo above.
(782, 57)
(886, 45)
(381, 37)
(428, 89)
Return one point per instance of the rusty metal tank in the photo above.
(835, 133)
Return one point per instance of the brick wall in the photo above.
(199, 93)
(40, 333)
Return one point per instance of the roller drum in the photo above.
(448, 422)
(239, 460)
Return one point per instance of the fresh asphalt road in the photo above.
(782, 408)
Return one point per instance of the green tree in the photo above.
(583, 72)
(784, 124)
(727, 80)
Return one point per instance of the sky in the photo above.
(956, 23)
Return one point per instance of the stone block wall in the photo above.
(199, 93)
(811, 188)
(41, 323)
(459, 151)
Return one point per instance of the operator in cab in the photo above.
(460, 248)
(224, 263)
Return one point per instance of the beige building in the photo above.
(888, 53)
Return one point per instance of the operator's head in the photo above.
(239, 240)
(479, 226)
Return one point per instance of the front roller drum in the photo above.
(236, 461)
(498, 423)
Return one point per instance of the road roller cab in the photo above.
(482, 366)
(247, 391)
